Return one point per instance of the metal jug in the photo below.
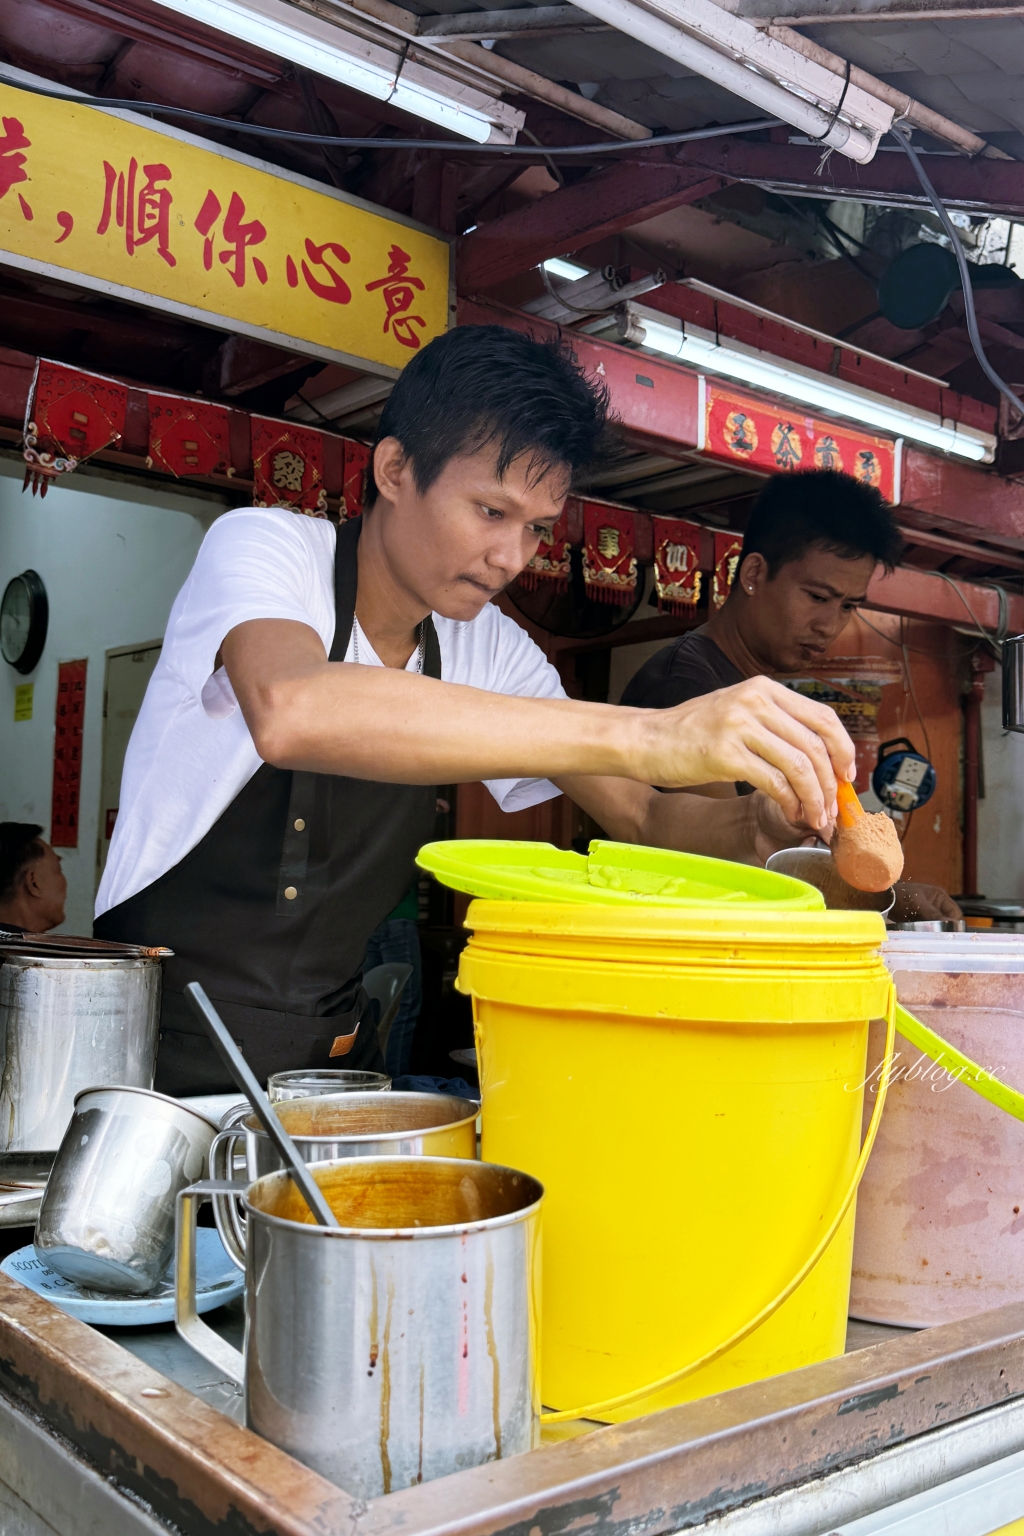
(326, 1128)
(399, 1347)
(107, 1216)
(68, 1024)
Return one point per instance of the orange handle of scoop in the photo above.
(850, 808)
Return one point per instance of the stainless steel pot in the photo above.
(326, 1127)
(817, 867)
(65, 1025)
(399, 1347)
(107, 1216)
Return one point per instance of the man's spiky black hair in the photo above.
(821, 507)
(484, 384)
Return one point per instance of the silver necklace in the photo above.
(421, 629)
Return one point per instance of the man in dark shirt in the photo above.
(812, 545)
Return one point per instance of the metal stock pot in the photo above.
(68, 1023)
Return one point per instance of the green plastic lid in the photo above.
(611, 874)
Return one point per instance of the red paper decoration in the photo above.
(677, 573)
(69, 416)
(288, 466)
(189, 437)
(551, 562)
(727, 560)
(609, 559)
(67, 753)
(356, 466)
(784, 438)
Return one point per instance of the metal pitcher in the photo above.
(107, 1215)
(326, 1128)
(399, 1347)
(68, 1024)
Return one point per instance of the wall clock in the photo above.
(24, 617)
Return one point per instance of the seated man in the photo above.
(33, 888)
(812, 545)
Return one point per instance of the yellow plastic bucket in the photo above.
(689, 1090)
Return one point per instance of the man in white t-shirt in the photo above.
(316, 683)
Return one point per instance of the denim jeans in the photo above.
(396, 941)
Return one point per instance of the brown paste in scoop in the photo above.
(868, 854)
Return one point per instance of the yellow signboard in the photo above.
(155, 216)
(24, 694)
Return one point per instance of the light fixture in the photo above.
(355, 61)
(567, 269)
(701, 350)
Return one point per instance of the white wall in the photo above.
(112, 556)
(1001, 813)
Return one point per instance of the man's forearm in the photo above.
(635, 813)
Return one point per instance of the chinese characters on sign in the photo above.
(148, 212)
(774, 439)
(677, 573)
(399, 291)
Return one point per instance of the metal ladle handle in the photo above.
(242, 1074)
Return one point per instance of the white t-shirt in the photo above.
(191, 752)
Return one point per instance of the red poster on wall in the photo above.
(781, 437)
(67, 753)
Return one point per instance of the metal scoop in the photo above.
(242, 1074)
(817, 867)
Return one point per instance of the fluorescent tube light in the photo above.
(700, 350)
(559, 268)
(367, 67)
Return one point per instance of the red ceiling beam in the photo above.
(958, 497)
(645, 185)
(922, 595)
(576, 216)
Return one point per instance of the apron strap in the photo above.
(295, 889)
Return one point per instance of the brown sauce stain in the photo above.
(358, 1114)
(385, 1392)
(400, 1192)
(374, 1321)
(492, 1350)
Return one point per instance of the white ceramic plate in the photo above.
(217, 1282)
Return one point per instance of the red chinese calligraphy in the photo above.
(337, 290)
(11, 162)
(400, 290)
(143, 212)
(237, 236)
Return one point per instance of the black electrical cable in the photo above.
(338, 141)
(965, 272)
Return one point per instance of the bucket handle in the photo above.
(186, 1319)
(941, 1052)
(228, 1217)
(595, 1410)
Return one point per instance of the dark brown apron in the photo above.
(284, 973)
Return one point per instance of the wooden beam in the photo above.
(924, 595)
(575, 216)
(655, 181)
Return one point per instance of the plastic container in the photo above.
(940, 1223)
(689, 1093)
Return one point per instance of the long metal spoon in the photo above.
(242, 1074)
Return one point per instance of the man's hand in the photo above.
(761, 732)
(916, 903)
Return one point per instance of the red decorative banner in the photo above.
(779, 437)
(288, 466)
(551, 562)
(69, 416)
(677, 575)
(188, 437)
(727, 560)
(609, 561)
(67, 753)
(356, 467)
